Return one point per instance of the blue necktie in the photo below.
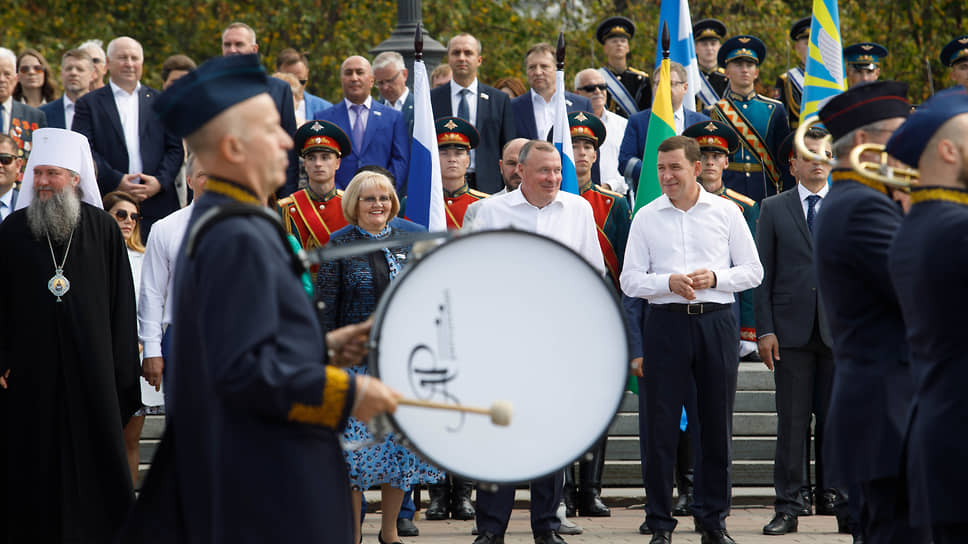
(812, 210)
(463, 109)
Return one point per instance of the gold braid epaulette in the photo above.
(231, 190)
(330, 411)
(844, 175)
(946, 194)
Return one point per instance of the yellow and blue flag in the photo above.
(825, 59)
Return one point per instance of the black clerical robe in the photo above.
(73, 383)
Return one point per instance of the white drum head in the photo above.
(502, 316)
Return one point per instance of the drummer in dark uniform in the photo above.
(789, 86)
(255, 410)
(863, 62)
(313, 213)
(955, 56)
(759, 122)
(709, 35)
(629, 90)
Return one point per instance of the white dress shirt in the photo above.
(471, 212)
(665, 240)
(300, 112)
(7, 110)
(567, 219)
(804, 193)
(679, 119)
(608, 152)
(68, 112)
(128, 110)
(6, 204)
(398, 105)
(544, 114)
(365, 114)
(136, 260)
(158, 278)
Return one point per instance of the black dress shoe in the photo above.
(858, 539)
(405, 527)
(781, 524)
(682, 504)
(661, 537)
(489, 538)
(719, 536)
(826, 503)
(806, 499)
(437, 509)
(644, 529)
(461, 506)
(551, 537)
(590, 504)
(379, 538)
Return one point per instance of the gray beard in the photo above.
(55, 217)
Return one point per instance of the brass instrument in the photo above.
(799, 136)
(882, 171)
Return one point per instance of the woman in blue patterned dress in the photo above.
(350, 289)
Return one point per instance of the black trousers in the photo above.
(494, 507)
(950, 534)
(804, 379)
(884, 513)
(684, 349)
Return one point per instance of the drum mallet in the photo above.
(500, 411)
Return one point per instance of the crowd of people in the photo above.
(187, 298)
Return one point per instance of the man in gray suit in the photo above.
(789, 315)
(16, 119)
(390, 74)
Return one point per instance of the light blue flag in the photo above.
(682, 47)
(824, 77)
(562, 137)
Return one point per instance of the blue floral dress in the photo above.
(350, 289)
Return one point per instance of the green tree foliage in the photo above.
(328, 31)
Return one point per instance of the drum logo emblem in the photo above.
(430, 370)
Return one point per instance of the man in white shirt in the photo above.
(688, 253)
(590, 83)
(77, 69)
(540, 207)
(158, 279)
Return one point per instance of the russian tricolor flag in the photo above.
(562, 137)
(425, 191)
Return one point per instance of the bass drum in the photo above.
(502, 315)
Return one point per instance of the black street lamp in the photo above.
(408, 15)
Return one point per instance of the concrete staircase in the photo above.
(754, 436)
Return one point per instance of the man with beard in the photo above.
(68, 354)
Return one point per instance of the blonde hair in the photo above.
(361, 182)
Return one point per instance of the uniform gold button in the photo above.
(449, 202)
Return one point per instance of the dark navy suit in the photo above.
(524, 124)
(633, 144)
(96, 117)
(495, 126)
(927, 262)
(281, 94)
(385, 142)
(873, 385)
(407, 111)
(55, 113)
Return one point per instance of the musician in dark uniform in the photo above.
(955, 56)
(789, 86)
(709, 35)
(863, 62)
(251, 450)
(760, 122)
(873, 386)
(927, 262)
(313, 213)
(629, 90)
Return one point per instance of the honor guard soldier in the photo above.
(313, 213)
(709, 35)
(955, 56)
(929, 251)
(716, 142)
(789, 86)
(863, 62)
(629, 90)
(760, 122)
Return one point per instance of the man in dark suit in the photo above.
(486, 108)
(378, 132)
(873, 385)
(9, 172)
(633, 144)
(293, 62)
(534, 114)
(390, 74)
(16, 119)
(789, 314)
(77, 69)
(239, 39)
(132, 150)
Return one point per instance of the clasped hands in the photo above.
(686, 285)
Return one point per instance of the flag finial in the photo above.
(418, 42)
(665, 39)
(560, 51)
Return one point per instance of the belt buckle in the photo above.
(698, 307)
(748, 166)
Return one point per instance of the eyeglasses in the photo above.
(593, 88)
(97, 60)
(371, 200)
(303, 82)
(6, 158)
(383, 82)
(122, 215)
(35, 68)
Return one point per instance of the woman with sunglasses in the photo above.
(33, 85)
(124, 209)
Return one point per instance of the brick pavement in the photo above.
(745, 525)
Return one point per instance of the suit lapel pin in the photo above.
(485, 97)
(568, 102)
(377, 113)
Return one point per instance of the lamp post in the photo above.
(401, 40)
